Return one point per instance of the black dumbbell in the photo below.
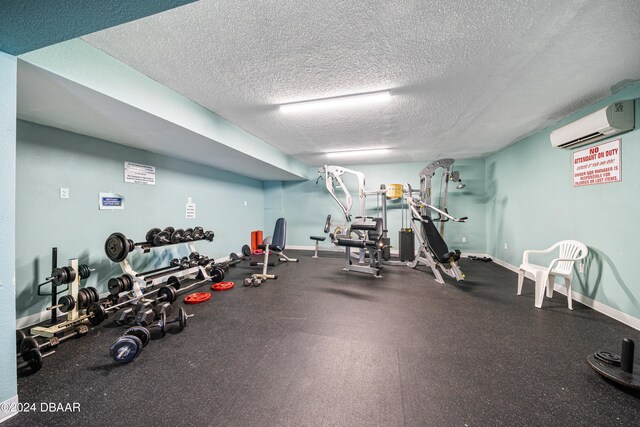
(181, 320)
(208, 235)
(198, 233)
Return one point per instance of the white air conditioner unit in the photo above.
(609, 121)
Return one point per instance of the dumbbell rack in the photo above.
(140, 283)
(74, 316)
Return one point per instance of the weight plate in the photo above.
(177, 236)
(67, 302)
(59, 276)
(117, 247)
(96, 312)
(194, 255)
(141, 332)
(197, 297)
(208, 235)
(169, 229)
(608, 357)
(186, 235)
(95, 294)
(174, 262)
(125, 349)
(19, 337)
(198, 233)
(34, 358)
(115, 285)
(167, 293)
(222, 286)
(162, 238)
(162, 324)
(127, 281)
(151, 234)
(28, 344)
(174, 282)
(83, 298)
(84, 271)
(217, 274)
(246, 250)
(182, 318)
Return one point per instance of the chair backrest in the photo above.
(572, 250)
(433, 238)
(279, 238)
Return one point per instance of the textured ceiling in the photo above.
(467, 77)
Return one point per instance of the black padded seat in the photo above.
(356, 243)
(436, 243)
(318, 238)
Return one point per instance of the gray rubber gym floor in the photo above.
(320, 346)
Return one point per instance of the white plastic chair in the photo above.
(569, 251)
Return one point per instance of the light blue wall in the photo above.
(306, 205)
(49, 158)
(532, 204)
(8, 68)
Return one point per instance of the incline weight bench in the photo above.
(434, 252)
(275, 244)
(371, 241)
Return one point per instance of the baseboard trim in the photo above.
(598, 306)
(4, 414)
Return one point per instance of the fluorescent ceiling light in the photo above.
(336, 102)
(357, 153)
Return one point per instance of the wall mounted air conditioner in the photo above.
(609, 121)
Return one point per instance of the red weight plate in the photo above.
(222, 286)
(197, 298)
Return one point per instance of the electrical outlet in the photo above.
(464, 240)
(64, 193)
(506, 246)
(246, 203)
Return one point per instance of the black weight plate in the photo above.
(59, 276)
(116, 247)
(169, 229)
(182, 318)
(125, 349)
(141, 332)
(234, 258)
(217, 274)
(151, 234)
(186, 236)
(96, 312)
(246, 250)
(28, 344)
(162, 324)
(608, 357)
(174, 262)
(20, 335)
(115, 285)
(34, 358)
(162, 238)
(198, 233)
(83, 298)
(174, 282)
(127, 281)
(94, 293)
(67, 302)
(167, 293)
(177, 236)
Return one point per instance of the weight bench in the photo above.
(276, 244)
(371, 232)
(318, 239)
(434, 252)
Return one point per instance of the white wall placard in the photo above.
(190, 211)
(111, 201)
(137, 173)
(597, 165)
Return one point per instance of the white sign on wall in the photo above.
(190, 209)
(137, 173)
(597, 165)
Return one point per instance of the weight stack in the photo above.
(407, 244)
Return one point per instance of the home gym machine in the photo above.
(448, 175)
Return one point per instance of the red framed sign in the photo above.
(597, 165)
